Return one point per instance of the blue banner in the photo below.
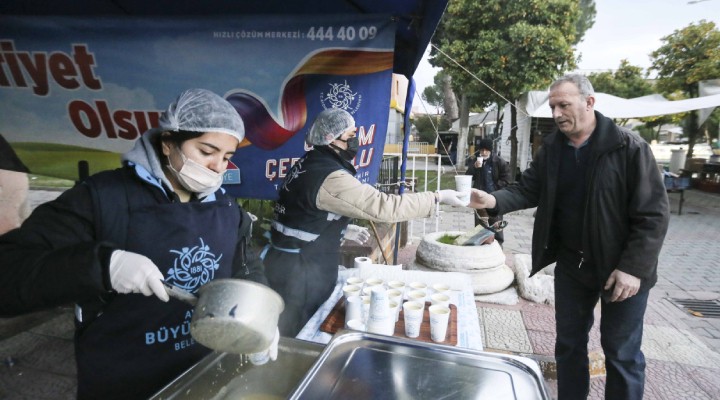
(98, 83)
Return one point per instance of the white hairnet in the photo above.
(328, 125)
(200, 110)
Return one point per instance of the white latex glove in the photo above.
(452, 197)
(357, 234)
(134, 273)
(270, 353)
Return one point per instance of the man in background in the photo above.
(489, 173)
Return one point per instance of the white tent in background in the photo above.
(708, 88)
(534, 104)
(617, 107)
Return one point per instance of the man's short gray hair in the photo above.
(580, 81)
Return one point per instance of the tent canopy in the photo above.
(416, 19)
(616, 107)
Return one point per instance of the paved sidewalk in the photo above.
(682, 350)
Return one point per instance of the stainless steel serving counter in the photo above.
(230, 376)
(360, 365)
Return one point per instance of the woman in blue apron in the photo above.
(108, 243)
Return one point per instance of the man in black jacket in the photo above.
(489, 173)
(602, 215)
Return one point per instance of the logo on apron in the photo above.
(193, 266)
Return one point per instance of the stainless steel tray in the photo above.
(228, 376)
(359, 365)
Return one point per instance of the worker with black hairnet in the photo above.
(316, 201)
(108, 244)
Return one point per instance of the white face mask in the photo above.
(196, 178)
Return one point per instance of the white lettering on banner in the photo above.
(366, 137)
(65, 69)
(278, 169)
(343, 33)
(364, 158)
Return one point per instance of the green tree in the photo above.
(686, 57)
(499, 49)
(428, 125)
(432, 95)
(586, 20)
(626, 82)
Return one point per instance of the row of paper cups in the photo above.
(418, 291)
(379, 312)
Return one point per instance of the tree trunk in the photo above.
(513, 143)
(692, 125)
(449, 99)
(692, 133)
(463, 134)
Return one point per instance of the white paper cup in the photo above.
(351, 290)
(396, 296)
(353, 308)
(365, 303)
(382, 318)
(378, 303)
(440, 287)
(417, 286)
(439, 317)
(440, 299)
(356, 324)
(413, 317)
(381, 326)
(354, 280)
(417, 295)
(399, 285)
(463, 183)
(374, 282)
(394, 306)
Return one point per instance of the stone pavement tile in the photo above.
(706, 378)
(12, 326)
(482, 325)
(540, 320)
(668, 380)
(597, 388)
(40, 352)
(504, 330)
(19, 382)
(653, 317)
(542, 342)
(677, 345)
(62, 326)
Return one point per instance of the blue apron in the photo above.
(141, 339)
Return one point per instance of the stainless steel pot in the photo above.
(233, 315)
